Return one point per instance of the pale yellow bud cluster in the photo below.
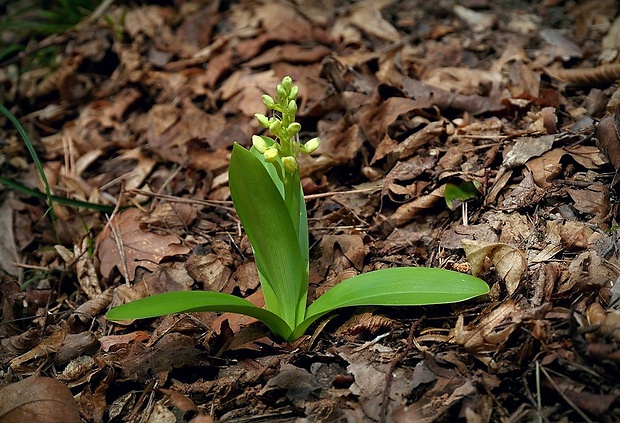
(285, 144)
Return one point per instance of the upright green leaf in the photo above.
(293, 194)
(267, 222)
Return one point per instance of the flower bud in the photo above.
(281, 93)
(275, 126)
(293, 129)
(310, 146)
(289, 163)
(292, 106)
(287, 82)
(262, 119)
(292, 95)
(259, 144)
(268, 101)
(271, 154)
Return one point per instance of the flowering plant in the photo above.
(266, 191)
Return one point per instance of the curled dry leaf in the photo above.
(91, 308)
(474, 337)
(48, 346)
(408, 211)
(352, 247)
(509, 261)
(594, 76)
(38, 399)
(366, 323)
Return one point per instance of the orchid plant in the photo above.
(267, 195)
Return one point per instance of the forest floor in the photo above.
(136, 108)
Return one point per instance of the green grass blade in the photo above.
(56, 199)
(403, 286)
(196, 302)
(266, 220)
(35, 158)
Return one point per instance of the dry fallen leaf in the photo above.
(38, 399)
(9, 255)
(123, 244)
(608, 135)
(509, 261)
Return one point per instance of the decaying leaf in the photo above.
(366, 323)
(124, 245)
(608, 135)
(527, 148)
(410, 210)
(9, 255)
(48, 346)
(352, 246)
(38, 399)
(84, 267)
(509, 261)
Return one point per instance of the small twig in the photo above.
(390, 373)
(172, 198)
(538, 393)
(332, 193)
(563, 395)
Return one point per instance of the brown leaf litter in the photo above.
(138, 111)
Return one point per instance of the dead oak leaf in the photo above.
(124, 245)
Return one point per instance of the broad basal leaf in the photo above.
(403, 286)
(196, 302)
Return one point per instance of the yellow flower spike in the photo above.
(290, 164)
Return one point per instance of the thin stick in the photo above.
(390, 373)
(563, 395)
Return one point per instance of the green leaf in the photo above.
(195, 302)
(267, 222)
(459, 193)
(300, 223)
(402, 286)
